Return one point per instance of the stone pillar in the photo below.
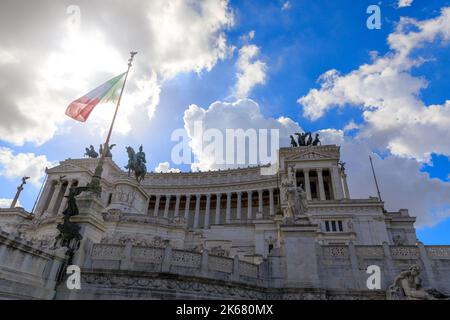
(359, 282)
(239, 206)
(321, 187)
(427, 265)
(249, 205)
(307, 187)
(43, 198)
(337, 183)
(228, 212)
(52, 206)
(302, 270)
(346, 190)
(217, 218)
(197, 211)
(271, 203)
(260, 203)
(186, 210)
(207, 211)
(158, 199)
(177, 206)
(166, 207)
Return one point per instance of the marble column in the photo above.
(207, 211)
(186, 210)
(177, 206)
(321, 187)
(346, 190)
(271, 203)
(239, 206)
(249, 205)
(155, 211)
(228, 212)
(197, 211)
(217, 218)
(307, 186)
(260, 202)
(52, 206)
(167, 205)
(337, 183)
(43, 197)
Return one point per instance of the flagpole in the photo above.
(94, 185)
(375, 178)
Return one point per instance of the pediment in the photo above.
(311, 155)
(66, 167)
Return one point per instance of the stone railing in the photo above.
(27, 271)
(438, 252)
(169, 260)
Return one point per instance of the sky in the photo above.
(287, 65)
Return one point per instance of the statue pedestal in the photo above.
(299, 248)
(91, 222)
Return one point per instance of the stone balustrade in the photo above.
(169, 260)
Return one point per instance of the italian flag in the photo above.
(81, 108)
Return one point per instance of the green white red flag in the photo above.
(81, 108)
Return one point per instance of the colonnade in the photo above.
(201, 210)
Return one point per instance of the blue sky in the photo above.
(295, 47)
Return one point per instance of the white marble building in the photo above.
(233, 226)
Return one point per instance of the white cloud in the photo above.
(404, 3)
(171, 36)
(401, 182)
(15, 166)
(6, 203)
(242, 114)
(251, 71)
(394, 116)
(286, 6)
(164, 167)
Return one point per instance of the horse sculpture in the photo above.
(90, 152)
(136, 163)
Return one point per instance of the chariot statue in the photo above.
(91, 153)
(136, 163)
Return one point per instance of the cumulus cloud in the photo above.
(15, 166)
(243, 114)
(404, 3)
(401, 182)
(251, 71)
(164, 167)
(394, 115)
(6, 203)
(49, 60)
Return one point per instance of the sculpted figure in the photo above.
(108, 150)
(296, 200)
(316, 141)
(136, 163)
(90, 152)
(293, 142)
(408, 285)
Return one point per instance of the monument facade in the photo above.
(238, 233)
